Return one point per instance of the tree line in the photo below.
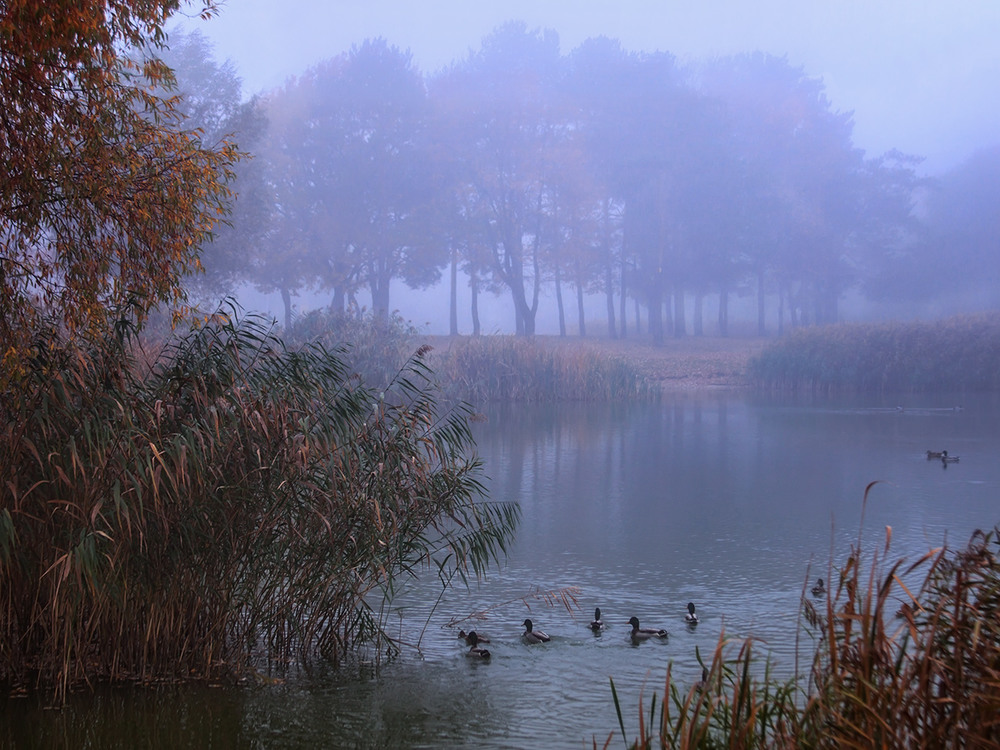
(527, 172)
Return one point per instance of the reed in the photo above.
(956, 354)
(509, 368)
(234, 506)
(896, 664)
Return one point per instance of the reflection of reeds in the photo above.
(239, 506)
(960, 353)
(508, 368)
(924, 674)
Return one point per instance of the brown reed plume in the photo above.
(907, 655)
(239, 506)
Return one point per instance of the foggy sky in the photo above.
(920, 76)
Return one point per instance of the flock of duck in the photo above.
(533, 636)
(942, 456)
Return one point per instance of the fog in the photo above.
(919, 76)
(915, 77)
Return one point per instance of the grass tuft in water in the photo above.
(896, 664)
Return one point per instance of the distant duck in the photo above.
(936, 454)
(691, 618)
(642, 634)
(467, 637)
(534, 636)
(819, 589)
(474, 651)
(946, 459)
(597, 625)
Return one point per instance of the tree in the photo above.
(209, 97)
(106, 196)
(502, 97)
(598, 75)
(348, 159)
(799, 177)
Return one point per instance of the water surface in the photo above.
(732, 502)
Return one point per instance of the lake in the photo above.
(736, 503)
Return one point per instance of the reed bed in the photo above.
(508, 368)
(956, 354)
(234, 506)
(896, 665)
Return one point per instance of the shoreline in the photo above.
(678, 364)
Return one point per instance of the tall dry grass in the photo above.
(957, 354)
(907, 656)
(235, 505)
(509, 368)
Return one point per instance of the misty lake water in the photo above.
(731, 501)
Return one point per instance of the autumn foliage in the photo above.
(105, 196)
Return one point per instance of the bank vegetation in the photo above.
(955, 354)
(907, 655)
(222, 506)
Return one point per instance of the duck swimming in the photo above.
(691, 617)
(642, 634)
(818, 589)
(467, 637)
(534, 636)
(475, 652)
(702, 684)
(946, 459)
(597, 624)
(936, 454)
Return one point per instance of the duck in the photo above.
(702, 684)
(691, 617)
(534, 636)
(475, 652)
(467, 637)
(597, 624)
(819, 589)
(946, 459)
(936, 454)
(642, 634)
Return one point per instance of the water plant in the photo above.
(510, 368)
(907, 655)
(234, 505)
(958, 353)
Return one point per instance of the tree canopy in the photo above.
(623, 174)
(107, 195)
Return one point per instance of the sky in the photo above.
(920, 76)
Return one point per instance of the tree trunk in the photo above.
(699, 300)
(286, 298)
(453, 296)
(474, 286)
(761, 330)
(680, 322)
(339, 300)
(723, 312)
(379, 286)
(581, 314)
(656, 315)
(609, 297)
(622, 302)
(559, 303)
